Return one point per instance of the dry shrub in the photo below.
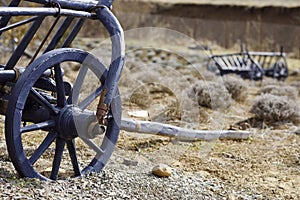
(296, 84)
(208, 76)
(210, 94)
(127, 80)
(184, 82)
(287, 91)
(133, 65)
(141, 97)
(191, 112)
(148, 76)
(270, 81)
(236, 87)
(271, 108)
(189, 78)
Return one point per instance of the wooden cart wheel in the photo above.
(256, 72)
(212, 66)
(280, 70)
(51, 130)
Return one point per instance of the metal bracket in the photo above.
(102, 109)
(107, 3)
(55, 4)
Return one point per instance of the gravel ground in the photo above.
(117, 181)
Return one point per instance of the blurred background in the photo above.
(263, 25)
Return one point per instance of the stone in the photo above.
(294, 72)
(129, 162)
(162, 170)
(141, 114)
(157, 60)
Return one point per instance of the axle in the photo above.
(7, 75)
(73, 122)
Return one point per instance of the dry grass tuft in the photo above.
(211, 95)
(288, 91)
(296, 84)
(272, 108)
(236, 87)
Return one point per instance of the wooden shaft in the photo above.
(174, 131)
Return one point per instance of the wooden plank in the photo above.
(231, 61)
(237, 62)
(220, 62)
(225, 60)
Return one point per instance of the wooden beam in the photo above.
(161, 129)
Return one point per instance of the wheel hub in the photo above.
(73, 122)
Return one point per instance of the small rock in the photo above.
(204, 173)
(176, 163)
(245, 126)
(151, 53)
(294, 72)
(230, 197)
(157, 60)
(128, 162)
(162, 170)
(139, 114)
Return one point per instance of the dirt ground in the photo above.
(268, 163)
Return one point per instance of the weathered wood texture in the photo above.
(174, 131)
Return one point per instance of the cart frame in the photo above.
(36, 97)
(252, 65)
